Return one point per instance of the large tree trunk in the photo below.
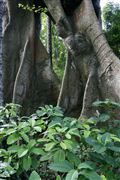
(92, 70)
(28, 77)
(99, 68)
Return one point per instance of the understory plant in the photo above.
(47, 145)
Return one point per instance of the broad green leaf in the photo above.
(68, 136)
(13, 138)
(72, 158)
(37, 151)
(32, 122)
(46, 157)
(31, 144)
(91, 175)
(72, 175)
(68, 144)
(106, 138)
(63, 145)
(54, 123)
(103, 117)
(35, 162)
(13, 148)
(99, 148)
(22, 152)
(27, 163)
(115, 148)
(49, 146)
(25, 137)
(22, 125)
(86, 133)
(40, 113)
(115, 138)
(10, 131)
(59, 156)
(74, 131)
(64, 166)
(84, 165)
(38, 128)
(103, 177)
(58, 178)
(34, 176)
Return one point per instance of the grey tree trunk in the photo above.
(28, 77)
(1, 67)
(92, 70)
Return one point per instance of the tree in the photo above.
(92, 70)
(111, 17)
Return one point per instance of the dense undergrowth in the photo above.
(48, 145)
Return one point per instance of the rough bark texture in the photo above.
(92, 70)
(28, 78)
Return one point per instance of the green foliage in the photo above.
(58, 48)
(48, 145)
(32, 8)
(111, 19)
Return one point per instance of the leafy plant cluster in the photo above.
(47, 145)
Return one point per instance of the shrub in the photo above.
(48, 145)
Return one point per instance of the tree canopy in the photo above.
(111, 17)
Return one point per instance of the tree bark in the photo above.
(92, 70)
(28, 78)
(102, 70)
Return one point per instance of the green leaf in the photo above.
(25, 136)
(40, 113)
(91, 175)
(22, 152)
(58, 178)
(68, 144)
(46, 157)
(49, 146)
(10, 131)
(103, 177)
(34, 176)
(38, 128)
(43, 140)
(72, 175)
(54, 123)
(27, 163)
(106, 138)
(103, 117)
(59, 156)
(73, 158)
(68, 136)
(13, 148)
(31, 144)
(32, 122)
(86, 133)
(63, 145)
(84, 165)
(115, 148)
(13, 138)
(74, 131)
(64, 166)
(37, 151)
(115, 138)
